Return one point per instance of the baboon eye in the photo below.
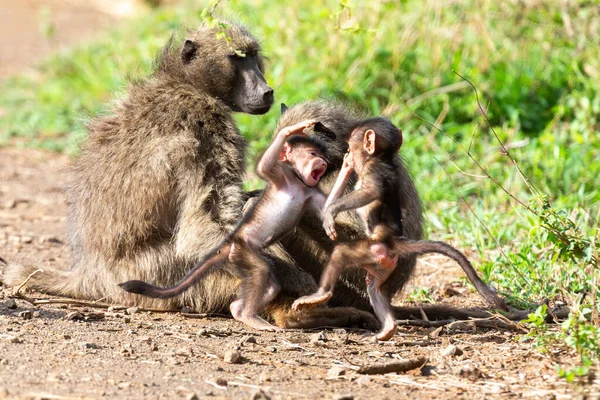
(252, 53)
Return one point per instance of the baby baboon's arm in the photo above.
(367, 194)
(268, 167)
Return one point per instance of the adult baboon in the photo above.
(159, 180)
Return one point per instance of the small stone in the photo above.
(192, 396)
(183, 352)
(26, 314)
(154, 347)
(363, 380)
(87, 345)
(36, 314)
(221, 382)
(132, 310)
(126, 320)
(452, 350)
(94, 316)
(124, 385)
(345, 396)
(4, 393)
(335, 372)
(247, 340)
(74, 316)
(232, 357)
(259, 394)
(26, 239)
(13, 339)
(318, 338)
(50, 240)
(66, 336)
(11, 304)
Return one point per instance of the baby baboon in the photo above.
(292, 167)
(372, 146)
(159, 181)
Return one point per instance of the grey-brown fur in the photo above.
(158, 182)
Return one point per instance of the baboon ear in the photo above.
(369, 141)
(284, 108)
(328, 133)
(189, 51)
(285, 152)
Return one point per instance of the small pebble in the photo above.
(247, 340)
(335, 372)
(232, 357)
(132, 310)
(26, 314)
(318, 337)
(26, 239)
(345, 396)
(363, 380)
(13, 339)
(4, 393)
(87, 345)
(192, 396)
(11, 304)
(74, 316)
(221, 382)
(452, 350)
(259, 394)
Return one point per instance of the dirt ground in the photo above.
(64, 351)
(59, 351)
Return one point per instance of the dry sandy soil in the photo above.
(65, 351)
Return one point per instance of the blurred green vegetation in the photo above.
(535, 64)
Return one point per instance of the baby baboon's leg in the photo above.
(344, 255)
(258, 286)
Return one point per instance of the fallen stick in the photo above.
(393, 366)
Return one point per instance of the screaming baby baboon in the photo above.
(159, 181)
(372, 146)
(292, 167)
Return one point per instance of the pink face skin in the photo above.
(307, 161)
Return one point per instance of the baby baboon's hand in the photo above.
(329, 226)
(297, 129)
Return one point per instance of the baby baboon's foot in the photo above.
(312, 300)
(252, 320)
(256, 322)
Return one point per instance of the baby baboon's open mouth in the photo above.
(317, 174)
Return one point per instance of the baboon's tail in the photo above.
(201, 268)
(43, 279)
(419, 247)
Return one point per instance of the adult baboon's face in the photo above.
(230, 70)
(251, 92)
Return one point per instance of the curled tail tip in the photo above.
(137, 287)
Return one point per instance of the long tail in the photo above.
(201, 268)
(419, 247)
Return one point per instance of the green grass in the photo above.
(535, 65)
